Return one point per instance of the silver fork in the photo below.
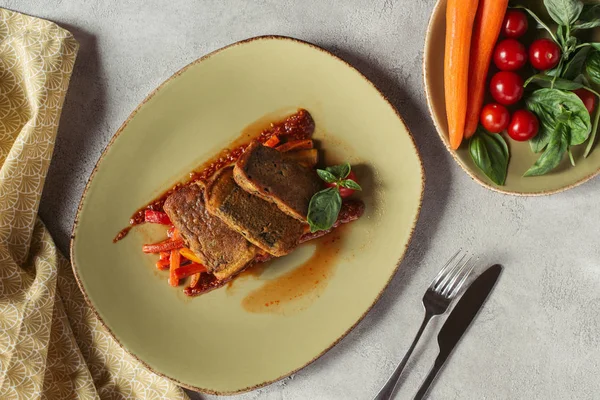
(437, 299)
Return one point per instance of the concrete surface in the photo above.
(539, 335)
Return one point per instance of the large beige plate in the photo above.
(211, 343)
(564, 177)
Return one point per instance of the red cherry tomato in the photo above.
(588, 98)
(515, 24)
(494, 117)
(345, 192)
(510, 55)
(544, 54)
(523, 126)
(506, 87)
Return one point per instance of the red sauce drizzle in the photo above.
(294, 127)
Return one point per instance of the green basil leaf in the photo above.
(582, 79)
(560, 35)
(323, 209)
(554, 153)
(490, 153)
(326, 176)
(548, 105)
(545, 81)
(554, 71)
(340, 171)
(575, 66)
(565, 117)
(350, 184)
(564, 12)
(592, 67)
(589, 18)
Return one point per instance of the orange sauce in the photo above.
(297, 289)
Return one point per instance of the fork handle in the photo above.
(429, 380)
(388, 390)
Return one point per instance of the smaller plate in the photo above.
(521, 157)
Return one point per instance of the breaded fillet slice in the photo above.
(270, 175)
(259, 221)
(224, 252)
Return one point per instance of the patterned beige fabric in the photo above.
(51, 344)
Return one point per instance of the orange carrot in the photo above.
(460, 16)
(306, 144)
(188, 270)
(174, 265)
(488, 23)
(165, 245)
(272, 141)
(175, 262)
(163, 264)
(195, 279)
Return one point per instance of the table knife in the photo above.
(459, 320)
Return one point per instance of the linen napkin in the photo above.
(51, 344)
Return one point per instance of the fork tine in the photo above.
(446, 285)
(462, 280)
(450, 272)
(445, 269)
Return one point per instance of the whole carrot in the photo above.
(460, 15)
(488, 23)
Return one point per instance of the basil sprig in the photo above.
(593, 67)
(554, 153)
(325, 205)
(564, 121)
(490, 153)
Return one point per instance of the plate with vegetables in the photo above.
(513, 90)
(247, 215)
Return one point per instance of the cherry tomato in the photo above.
(544, 54)
(506, 87)
(345, 192)
(523, 126)
(495, 117)
(510, 55)
(515, 24)
(588, 98)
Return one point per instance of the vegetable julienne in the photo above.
(560, 114)
(210, 244)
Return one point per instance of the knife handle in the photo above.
(439, 361)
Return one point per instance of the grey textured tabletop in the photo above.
(538, 337)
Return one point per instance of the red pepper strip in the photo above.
(191, 269)
(163, 264)
(273, 141)
(157, 217)
(173, 267)
(296, 145)
(165, 245)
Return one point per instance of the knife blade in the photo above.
(459, 320)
